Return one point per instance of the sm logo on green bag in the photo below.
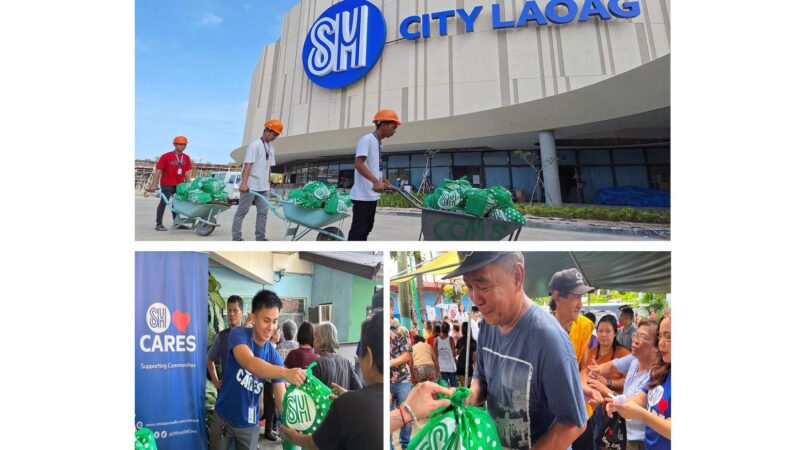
(300, 411)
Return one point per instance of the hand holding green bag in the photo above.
(457, 427)
(306, 405)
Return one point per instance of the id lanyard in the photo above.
(252, 409)
(179, 158)
(380, 150)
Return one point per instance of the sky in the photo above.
(194, 62)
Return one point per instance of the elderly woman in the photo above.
(332, 368)
(303, 355)
(653, 404)
(636, 370)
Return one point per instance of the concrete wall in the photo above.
(350, 296)
(445, 76)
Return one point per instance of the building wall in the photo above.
(350, 296)
(445, 76)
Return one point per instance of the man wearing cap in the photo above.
(258, 158)
(525, 368)
(368, 181)
(172, 169)
(566, 289)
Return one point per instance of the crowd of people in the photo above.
(260, 359)
(549, 379)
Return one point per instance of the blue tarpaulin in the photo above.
(631, 196)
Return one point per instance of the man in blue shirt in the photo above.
(250, 361)
(525, 367)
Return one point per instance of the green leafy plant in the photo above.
(216, 322)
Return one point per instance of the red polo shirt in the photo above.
(169, 163)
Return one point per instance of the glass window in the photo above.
(333, 166)
(495, 158)
(346, 165)
(632, 176)
(416, 176)
(497, 175)
(398, 161)
(442, 159)
(595, 178)
(657, 155)
(589, 157)
(628, 156)
(439, 174)
(523, 179)
(418, 160)
(566, 157)
(395, 176)
(467, 159)
(520, 160)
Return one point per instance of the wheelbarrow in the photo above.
(301, 221)
(439, 225)
(200, 217)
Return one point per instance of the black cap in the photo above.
(570, 281)
(474, 260)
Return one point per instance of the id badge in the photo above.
(180, 171)
(251, 415)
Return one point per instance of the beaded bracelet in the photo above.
(410, 411)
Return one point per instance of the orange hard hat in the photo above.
(180, 140)
(386, 115)
(274, 125)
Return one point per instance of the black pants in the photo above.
(268, 414)
(168, 192)
(363, 220)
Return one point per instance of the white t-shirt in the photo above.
(262, 156)
(367, 146)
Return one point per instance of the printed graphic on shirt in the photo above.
(656, 400)
(248, 381)
(509, 398)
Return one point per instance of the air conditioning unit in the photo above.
(320, 313)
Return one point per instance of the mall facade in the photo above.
(562, 98)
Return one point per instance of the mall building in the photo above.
(555, 97)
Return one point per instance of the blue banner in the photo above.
(171, 318)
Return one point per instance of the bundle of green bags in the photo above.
(202, 190)
(459, 196)
(457, 427)
(318, 195)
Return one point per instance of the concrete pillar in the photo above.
(552, 185)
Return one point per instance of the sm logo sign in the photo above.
(344, 43)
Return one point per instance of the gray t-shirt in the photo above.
(532, 378)
(625, 337)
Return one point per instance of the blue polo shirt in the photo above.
(240, 388)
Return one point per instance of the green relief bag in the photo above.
(501, 196)
(498, 214)
(332, 204)
(145, 440)
(479, 202)
(457, 427)
(513, 215)
(221, 196)
(306, 405)
(183, 189)
(317, 190)
(198, 196)
(211, 186)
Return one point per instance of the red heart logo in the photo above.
(181, 320)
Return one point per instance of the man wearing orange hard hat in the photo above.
(172, 169)
(256, 166)
(368, 182)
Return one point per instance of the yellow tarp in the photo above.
(440, 265)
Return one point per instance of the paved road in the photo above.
(388, 227)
